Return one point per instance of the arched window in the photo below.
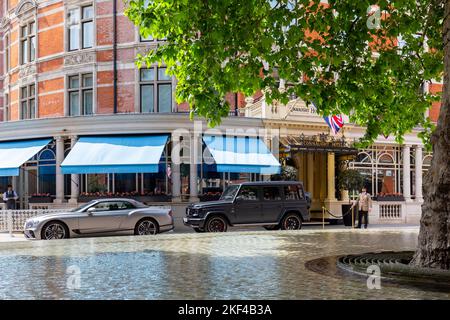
(385, 158)
(363, 157)
(46, 172)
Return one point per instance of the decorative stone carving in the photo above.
(25, 6)
(4, 22)
(79, 58)
(27, 70)
(143, 50)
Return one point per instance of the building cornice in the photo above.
(115, 124)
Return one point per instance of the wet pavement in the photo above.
(235, 265)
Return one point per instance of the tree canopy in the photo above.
(367, 59)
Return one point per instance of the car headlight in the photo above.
(31, 224)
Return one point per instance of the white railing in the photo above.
(14, 220)
(389, 211)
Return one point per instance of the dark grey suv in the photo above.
(272, 204)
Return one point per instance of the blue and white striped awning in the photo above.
(115, 154)
(13, 154)
(241, 154)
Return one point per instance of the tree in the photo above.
(326, 55)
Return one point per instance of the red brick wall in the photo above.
(436, 107)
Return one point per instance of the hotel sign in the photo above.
(319, 143)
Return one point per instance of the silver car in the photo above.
(101, 217)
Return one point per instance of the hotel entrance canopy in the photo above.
(241, 154)
(115, 154)
(15, 153)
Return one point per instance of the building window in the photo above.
(27, 43)
(143, 39)
(81, 98)
(6, 43)
(28, 102)
(156, 90)
(6, 113)
(81, 28)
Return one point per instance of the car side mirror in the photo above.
(239, 199)
(90, 211)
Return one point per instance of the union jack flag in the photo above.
(335, 122)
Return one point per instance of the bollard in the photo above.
(323, 217)
(353, 217)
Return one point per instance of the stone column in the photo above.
(193, 174)
(419, 157)
(74, 178)
(331, 177)
(176, 173)
(59, 174)
(310, 175)
(406, 173)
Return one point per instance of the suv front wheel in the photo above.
(216, 224)
(291, 221)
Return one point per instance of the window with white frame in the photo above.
(81, 27)
(6, 44)
(155, 90)
(6, 113)
(28, 102)
(80, 94)
(28, 43)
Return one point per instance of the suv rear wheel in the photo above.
(291, 221)
(216, 224)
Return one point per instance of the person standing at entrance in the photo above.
(365, 205)
(10, 197)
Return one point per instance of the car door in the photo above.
(247, 205)
(272, 203)
(295, 199)
(107, 217)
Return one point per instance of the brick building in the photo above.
(67, 71)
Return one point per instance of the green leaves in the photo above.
(324, 53)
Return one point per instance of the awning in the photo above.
(15, 153)
(241, 154)
(112, 154)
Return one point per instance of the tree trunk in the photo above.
(434, 237)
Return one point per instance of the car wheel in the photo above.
(272, 227)
(146, 226)
(291, 221)
(54, 230)
(216, 224)
(199, 230)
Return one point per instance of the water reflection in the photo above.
(240, 265)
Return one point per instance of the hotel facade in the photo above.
(68, 82)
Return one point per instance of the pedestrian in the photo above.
(10, 197)
(365, 206)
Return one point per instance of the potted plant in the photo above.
(41, 198)
(288, 173)
(349, 180)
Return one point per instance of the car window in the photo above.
(293, 192)
(271, 193)
(248, 193)
(113, 205)
(229, 193)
